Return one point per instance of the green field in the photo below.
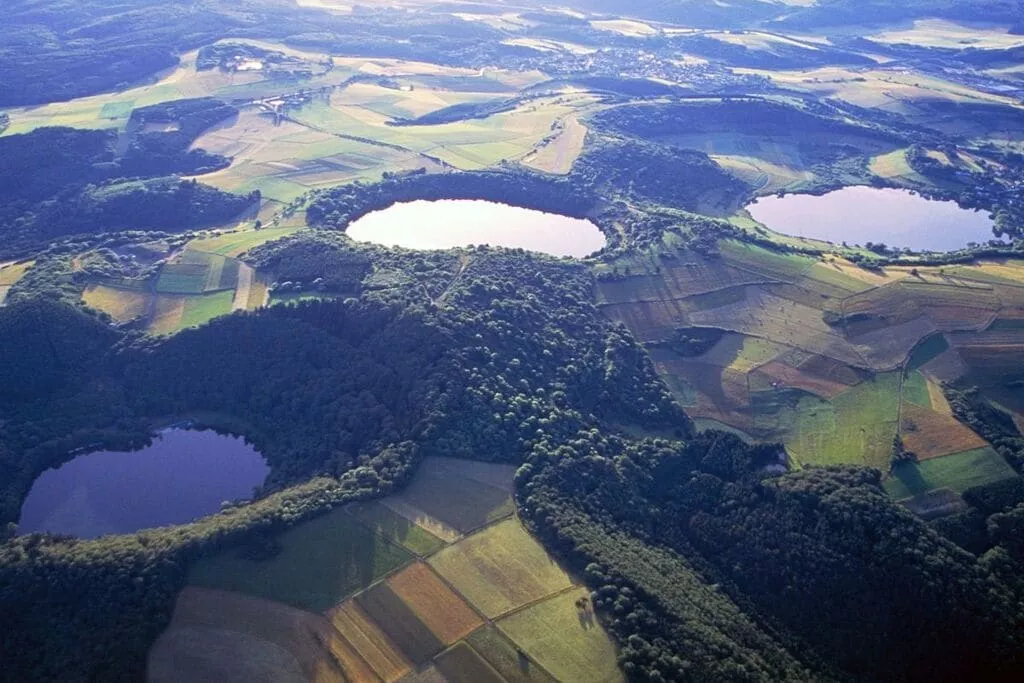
(205, 307)
(581, 652)
(321, 561)
(500, 568)
(461, 664)
(396, 528)
(196, 272)
(856, 426)
(958, 472)
(235, 243)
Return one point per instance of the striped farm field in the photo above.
(196, 272)
(371, 644)
(168, 310)
(402, 626)
(500, 568)
(446, 614)
(389, 524)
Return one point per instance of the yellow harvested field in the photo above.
(894, 165)
(947, 34)
(582, 650)
(937, 398)
(121, 304)
(10, 273)
(558, 154)
(167, 314)
(259, 295)
(758, 40)
(442, 611)
(876, 87)
(500, 568)
(243, 292)
(238, 242)
(626, 27)
(366, 638)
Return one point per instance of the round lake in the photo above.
(858, 215)
(448, 223)
(182, 475)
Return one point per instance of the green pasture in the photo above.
(398, 529)
(320, 562)
(958, 472)
(857, 426)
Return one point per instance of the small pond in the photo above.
(184, 474)
(858, 215)
(448, 223)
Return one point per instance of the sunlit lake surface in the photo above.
(857, 215)
(448, 223)
(182, 475)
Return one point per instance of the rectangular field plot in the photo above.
(222, 637)
(168, 310)
(369, 642)
(396, 528)
(514, 665)
(320, 562)
(856, 426)
(449, 494)
(400, 623)
(565, 638)
(500, 568)
(442, 611)
(196, 272)
(958, 472)
(771, 265)
(205, 307)
(930, 434)
(461, 664)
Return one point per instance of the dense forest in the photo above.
(831, 577)
(703, 561)
(56, 182)
(418, 364)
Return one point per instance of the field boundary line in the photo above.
(492, 623)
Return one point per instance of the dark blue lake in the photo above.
(184, 474)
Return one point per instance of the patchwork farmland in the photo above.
(831, 360)
(369, 592)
